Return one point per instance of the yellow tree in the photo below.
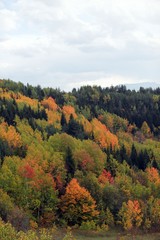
(130, 215)
(9, 134)
(151, 212)
(145, 129)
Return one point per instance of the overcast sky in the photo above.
(70, 43)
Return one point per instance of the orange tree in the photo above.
(77, 205)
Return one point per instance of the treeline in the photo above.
(33, 92)
(135, 106)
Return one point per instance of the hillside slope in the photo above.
(73, 158)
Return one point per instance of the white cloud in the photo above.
(8, 20)
(91, 41)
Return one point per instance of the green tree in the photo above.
(63, 123)
(70, 164)
(6, 205)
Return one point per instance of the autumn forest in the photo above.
(88, 159)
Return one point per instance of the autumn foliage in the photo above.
(105, 177)
(68, 111)
(77, 204)
(10, 135)
(131, 215)
(153, 175)
(80, 158)
(26, 100)
(50, 104)
(103, 136)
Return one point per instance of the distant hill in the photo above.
(136, 86)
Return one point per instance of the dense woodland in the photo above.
(88, 158)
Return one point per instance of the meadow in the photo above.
(110, 235)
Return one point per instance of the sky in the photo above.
(70, 43)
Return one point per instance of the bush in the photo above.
(45, 234)
(104, 227)
(69, 235)
(106, 218)
(88, 225)
(91, 225)
(33, 225)
(30, 235)
(7, 232)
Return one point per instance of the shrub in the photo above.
(7, 232)
(104, 227)
(106, 218)
(69, 235)
(88, 225)
(33, 224)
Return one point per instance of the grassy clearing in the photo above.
(119, 237)
(110, 235)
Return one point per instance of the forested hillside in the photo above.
(90, 157)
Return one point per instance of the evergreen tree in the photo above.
(75, 129)
(70, 164)
(143, 159)
(123, 154)
(134, 157)
(63, 123)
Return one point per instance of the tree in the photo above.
(6, 205)
(134, 156)
(77, 205)
(105, 177)
(106, 217)
(75, 129)
(70, 164)
(143, 159)
(90, 182)
(145, 129)
(50, 104)
(84, 161)
(112, 198)
(63, 123)
(151, 213)
(153, 175)
(130, 215)
(41, 187)
(103, 136)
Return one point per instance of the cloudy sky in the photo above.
(70, 43)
